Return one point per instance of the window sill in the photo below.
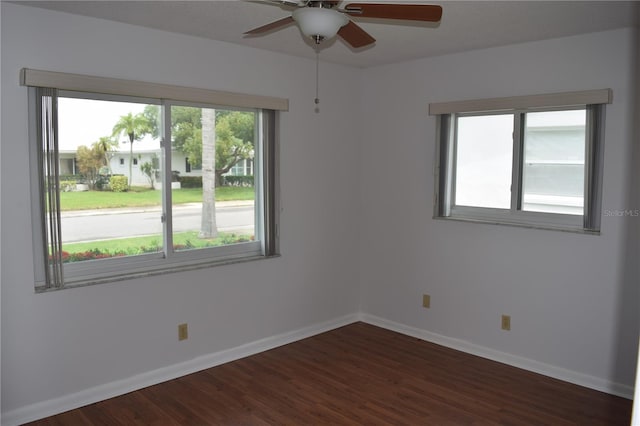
(548, 227)
(84, 282)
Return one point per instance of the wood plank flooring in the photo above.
(357, 375)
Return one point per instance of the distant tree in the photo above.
(234, 135)
(135, 127)
(234, 141)
(89, 161)
(150, 168)
(215, 141)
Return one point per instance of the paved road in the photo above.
(117, 223)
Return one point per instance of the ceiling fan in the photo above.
(322, 20)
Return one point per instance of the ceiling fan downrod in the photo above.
(317, 99)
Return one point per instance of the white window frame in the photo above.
(168, 260)
(445, 167)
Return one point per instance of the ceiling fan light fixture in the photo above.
(319, 23)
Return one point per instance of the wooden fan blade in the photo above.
(272, 26)
(409, 12)
(355, 35)
(282, 2)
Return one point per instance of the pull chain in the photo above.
(317, 99)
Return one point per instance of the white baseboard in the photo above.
(559, 373)
(120, 387)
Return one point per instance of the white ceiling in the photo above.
(465, 25)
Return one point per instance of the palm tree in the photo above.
(106, 144)
(135, 127)
(208, 226)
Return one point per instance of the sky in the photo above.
(85, 121)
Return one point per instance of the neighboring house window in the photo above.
(135, 161)
(189, 167)
(531, 161)
(242, 168)
(163, 230)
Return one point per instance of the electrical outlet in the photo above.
(506, 322)
(426, 301)
(183, 332)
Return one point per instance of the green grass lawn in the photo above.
(143, 197)
(147, 244)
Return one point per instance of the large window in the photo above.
(127, 211)
(503, 161)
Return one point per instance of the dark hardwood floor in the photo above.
(358, 374)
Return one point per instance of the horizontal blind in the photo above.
(113, 86)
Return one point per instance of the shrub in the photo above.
(150, 170)
(191, 181)
(234, 239)
(102, 182)
(74, 178)
(67, 185)
(152, 247)
(245, 181)
(118, 183)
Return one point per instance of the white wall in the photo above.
(572, 298)
(64, 342)
(1, 315)
(635, 234)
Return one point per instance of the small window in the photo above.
(122, 161)
(536, 167)
(135, 161)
